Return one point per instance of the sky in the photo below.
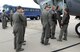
(24, 3)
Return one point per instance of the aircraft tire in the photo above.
(32, 18)
(77, 29)
(36, 18)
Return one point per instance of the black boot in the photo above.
(42, 42)
(46, 42)
(65, 39)
(59, 40)
(21, 49)
(53, 36)
(24, 42)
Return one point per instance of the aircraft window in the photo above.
(33, 9)
(14, 9)
(37, 10)
(30, 9)
(6, 9)
(26, 9)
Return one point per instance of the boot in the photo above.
(65, 39)
(42, 42)
(46, 42)
(53, 36)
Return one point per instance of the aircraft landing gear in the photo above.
(77, 17)
(77, 29)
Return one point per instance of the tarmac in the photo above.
(33, 37)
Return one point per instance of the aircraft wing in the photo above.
(59, 3)
(42, 3)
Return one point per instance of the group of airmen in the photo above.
(18, 22)
(5, 18)
(49, 18)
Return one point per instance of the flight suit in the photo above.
(64, 24)
(11, 14)
(24, 27)
(59, 18)
(4, 20)
(46, 27)
(18, 22)
(53, 22)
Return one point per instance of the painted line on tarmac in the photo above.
(66, 47)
